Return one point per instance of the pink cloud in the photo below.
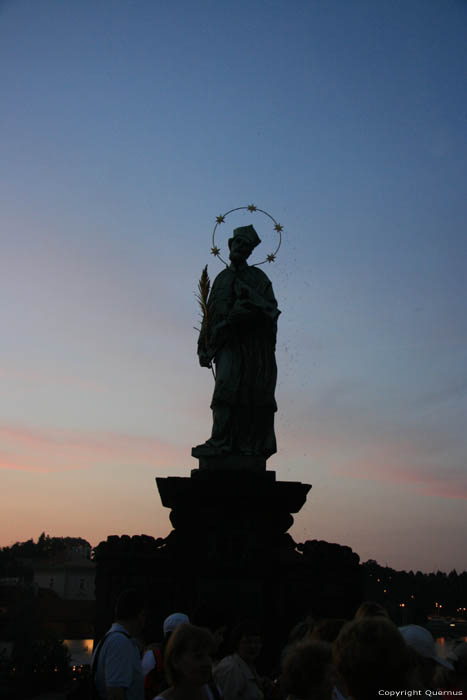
(52, 450)
(423, 462)
(405, 466)
(18, 466)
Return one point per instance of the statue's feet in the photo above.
(207, 449)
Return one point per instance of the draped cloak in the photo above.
(240, 336)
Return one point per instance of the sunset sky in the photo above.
(127, 126)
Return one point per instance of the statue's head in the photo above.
(242, 243)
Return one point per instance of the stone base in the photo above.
(209, 461)
(236, 500)
(230, 550)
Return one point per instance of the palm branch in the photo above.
(204, 286)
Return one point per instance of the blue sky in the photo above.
(126, 128)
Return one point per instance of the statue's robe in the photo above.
(240, 336)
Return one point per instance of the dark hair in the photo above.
(371, 654)
(328, 629)
(246, 628)
(184, 638)
(129, 604)
(307, 670)
(370, 608)
(302, 629)
(207, 616)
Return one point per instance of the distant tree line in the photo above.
(407, 595)
(17, 560)
(411, 596)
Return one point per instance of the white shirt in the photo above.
(119, 665)
(148, 662)
(236, 680)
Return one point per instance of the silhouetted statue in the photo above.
(240, 337)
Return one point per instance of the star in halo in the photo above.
(271, 257)
(215, 250)
(251, 207)
(220, 219)
(278, 228)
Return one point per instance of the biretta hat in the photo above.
(248, 233)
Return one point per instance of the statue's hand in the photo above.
(204, 359)
(217, 332)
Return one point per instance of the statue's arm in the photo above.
(251, 302)
(203, 350)
(211, 329)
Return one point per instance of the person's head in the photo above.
(371, 609)
(214, 620)
(426, 662)
(173, 621)
(371, 655)
(241, 244)
(170, 625)
(246, 640)
(307, 671)
(188, 656)
(130, 611)
(328, 629)
(301, 631)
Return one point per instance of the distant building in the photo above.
(71, 576)
(10, 581)
(57, 583)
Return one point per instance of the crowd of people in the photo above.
(366, 658)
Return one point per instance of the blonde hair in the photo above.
(185, 638)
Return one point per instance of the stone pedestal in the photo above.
(231, 501)
(230, 535)
(230, 550)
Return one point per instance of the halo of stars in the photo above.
(216, 251)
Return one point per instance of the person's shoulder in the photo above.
(223, 274)
(225, 663)
(118, 639)
(260, 277)
(258, 272)
(120, 634)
